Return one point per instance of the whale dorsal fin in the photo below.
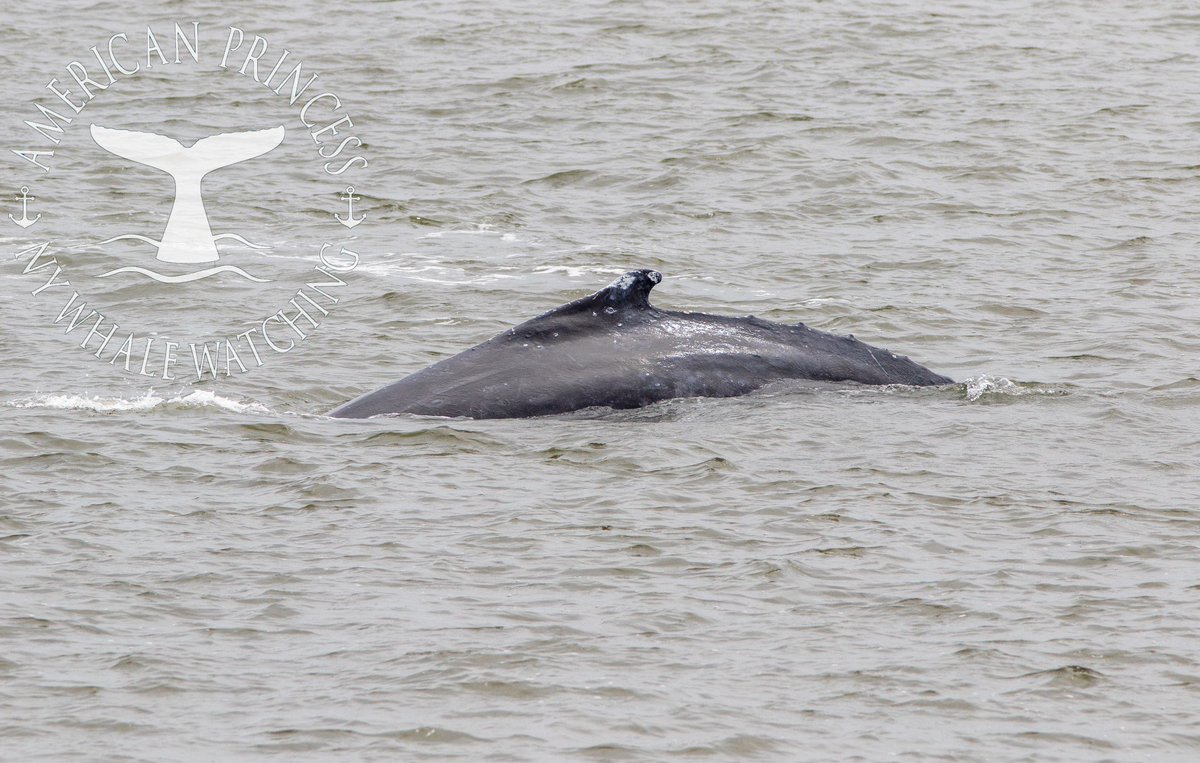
(631, 290)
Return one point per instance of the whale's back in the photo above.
(614, 349)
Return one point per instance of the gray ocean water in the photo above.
(1005, 569)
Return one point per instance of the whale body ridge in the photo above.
(613, 348)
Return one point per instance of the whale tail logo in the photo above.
(187, 239)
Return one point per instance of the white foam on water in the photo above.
(147, 402)
(481, 229)
(430, 271)
(574, 271)
(986, 384)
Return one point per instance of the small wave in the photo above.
(148, 402)
(186, 277)
(822, 301)
(986, 385)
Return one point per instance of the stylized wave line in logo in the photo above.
(186, 277)
(239, 239)
(133, 236)
(152, 242)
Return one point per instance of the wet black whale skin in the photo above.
(615, 349)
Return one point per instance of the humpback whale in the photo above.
(615, 349)
(187, 237)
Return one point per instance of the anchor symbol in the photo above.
(25, 222)
(350, 220)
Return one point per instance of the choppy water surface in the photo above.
(1002, 570)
